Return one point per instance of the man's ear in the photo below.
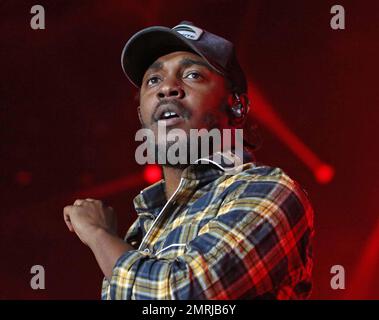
(139, 115)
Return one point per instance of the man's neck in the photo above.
(172, 179)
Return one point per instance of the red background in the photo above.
(68, 119)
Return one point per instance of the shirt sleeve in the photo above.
(258, 246)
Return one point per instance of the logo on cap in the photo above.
(190, 32)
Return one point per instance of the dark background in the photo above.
(68, 119)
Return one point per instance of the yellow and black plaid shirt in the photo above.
(220, 236)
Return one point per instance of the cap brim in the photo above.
(147, 46)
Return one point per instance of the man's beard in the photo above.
(193, 148)
(194, 152)
(161, 152)
(166, 149)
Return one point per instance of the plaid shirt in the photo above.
(220, 236)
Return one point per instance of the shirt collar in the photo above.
(205, 170)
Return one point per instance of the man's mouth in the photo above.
(170, 118)
(169, 114)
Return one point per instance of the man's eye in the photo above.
(193, 75)
(152, 80)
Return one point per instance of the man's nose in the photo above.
(171, 89)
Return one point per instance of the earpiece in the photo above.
(240, 106)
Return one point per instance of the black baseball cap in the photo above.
(147, 45)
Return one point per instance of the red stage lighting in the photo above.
(152, 173)
(265, 113)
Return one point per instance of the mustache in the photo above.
(178, 107)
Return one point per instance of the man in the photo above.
(203, 232)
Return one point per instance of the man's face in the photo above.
(182, 91)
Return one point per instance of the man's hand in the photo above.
(96, 225)
(87, 217)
